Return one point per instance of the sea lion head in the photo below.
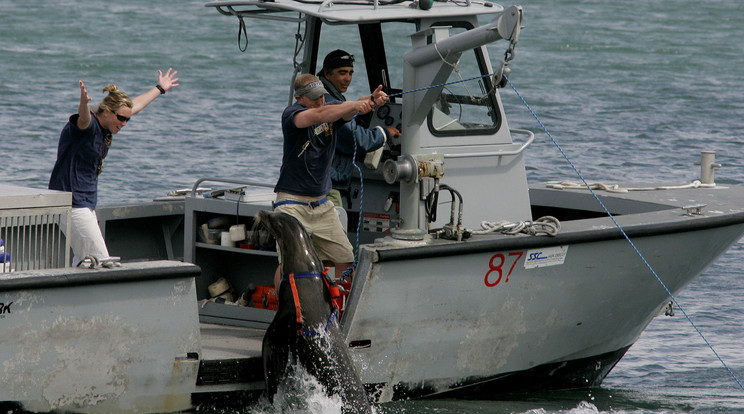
(295, 246)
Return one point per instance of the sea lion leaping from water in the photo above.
(305, 328)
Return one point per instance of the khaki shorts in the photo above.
(324, 227)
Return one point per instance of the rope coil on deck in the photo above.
(615, 188)
(544, 225)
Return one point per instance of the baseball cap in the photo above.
(336, 59)
(312, 90)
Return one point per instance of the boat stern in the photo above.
(100, 340)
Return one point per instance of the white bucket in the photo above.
(226, 240)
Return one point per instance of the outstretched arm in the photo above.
(83, 109)
(331, 113)
(361, 107)
(167, 81)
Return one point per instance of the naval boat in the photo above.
(468, 282)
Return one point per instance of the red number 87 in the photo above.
(497, 267)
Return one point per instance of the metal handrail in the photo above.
(228, 181)
(499, 153)
(325, 3)
(264, 13)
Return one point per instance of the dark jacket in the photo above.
(366, 140)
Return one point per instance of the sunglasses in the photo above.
(121, 118)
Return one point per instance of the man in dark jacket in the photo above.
(336, 74)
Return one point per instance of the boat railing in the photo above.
(248, 183)
(530, 135)
(262, 10)
(33, 224)
(329, 3)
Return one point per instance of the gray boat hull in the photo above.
(461, 318)
(478, 318)
(100, 341)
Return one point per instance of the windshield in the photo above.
(466, 104)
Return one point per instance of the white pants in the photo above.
(85, 236)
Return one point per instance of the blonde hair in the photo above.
(304, 80)
(114, 100)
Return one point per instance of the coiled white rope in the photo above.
(544, 225)
(615, 188)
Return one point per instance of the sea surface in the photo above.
(631, 90)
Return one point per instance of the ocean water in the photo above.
(632, 91)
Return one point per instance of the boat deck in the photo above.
(220, 342)
(231, 359)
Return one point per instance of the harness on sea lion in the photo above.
(335, 295)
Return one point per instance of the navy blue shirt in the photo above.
(308, 152)
(79, 155)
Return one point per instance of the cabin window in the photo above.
(463, 108)
(466, 106)
(394, 40)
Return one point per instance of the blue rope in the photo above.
(237, 207)
(440, 85)
(331, 317)
(348, 270)
(353, 266)
(624, 234)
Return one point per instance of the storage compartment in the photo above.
(211, 228)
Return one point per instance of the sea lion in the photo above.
(313, 340)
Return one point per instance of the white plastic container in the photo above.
(226, 240)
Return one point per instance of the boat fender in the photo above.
(425, 4)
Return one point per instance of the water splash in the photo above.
(300, 392)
